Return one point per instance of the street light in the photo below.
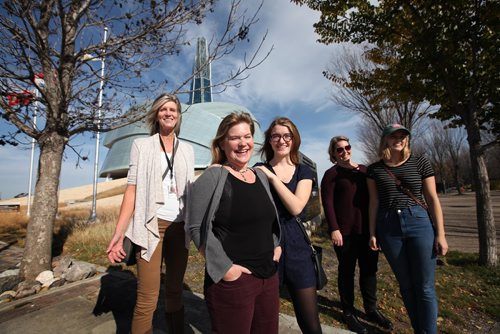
(93, 214)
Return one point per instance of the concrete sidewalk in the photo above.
(103, 305)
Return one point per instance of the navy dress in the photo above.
(296, 267)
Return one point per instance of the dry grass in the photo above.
(88, 241)
(13, 227)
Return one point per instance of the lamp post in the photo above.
(93, 214)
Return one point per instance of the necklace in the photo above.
(241, 171)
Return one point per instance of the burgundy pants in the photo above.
(247, 305)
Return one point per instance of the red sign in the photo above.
(24, 98)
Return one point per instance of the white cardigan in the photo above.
(145, 172)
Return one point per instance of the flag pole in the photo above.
(35, 112)
(93, 214)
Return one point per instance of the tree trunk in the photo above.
(485, 220)
(458, 182)
(38, 248)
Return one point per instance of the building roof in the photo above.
(199, 126)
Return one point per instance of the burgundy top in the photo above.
(344, 196)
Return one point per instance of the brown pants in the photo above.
(174, 253)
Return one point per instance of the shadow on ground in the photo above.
(117, 295)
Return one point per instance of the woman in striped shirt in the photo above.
(399, 186)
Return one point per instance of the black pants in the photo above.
(356, 248)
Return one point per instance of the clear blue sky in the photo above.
(289, 83)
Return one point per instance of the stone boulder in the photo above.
(79, 270)
(9, 279)
(61, 264)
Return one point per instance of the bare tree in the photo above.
(59, 40)
(376, 106)
(454, 143)
(439, 157)
(445, 146)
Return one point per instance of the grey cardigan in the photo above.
(203, 203)
(145, 172)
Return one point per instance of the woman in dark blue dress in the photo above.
(291, 188)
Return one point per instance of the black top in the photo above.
(411, 174)
(344, 196)
(243, 223)
(302, 172)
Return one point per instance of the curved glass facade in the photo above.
(199, 125)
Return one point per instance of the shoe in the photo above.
(354, 325)
(378, 318)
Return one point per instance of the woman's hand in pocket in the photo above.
(235, 272)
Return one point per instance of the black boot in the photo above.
(353, 324)
(379, 319)
(175, 321)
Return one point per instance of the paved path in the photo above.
(461, 222)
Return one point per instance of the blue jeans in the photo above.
(406, 237)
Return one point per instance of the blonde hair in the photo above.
(384, 151)
(234, 118)
(267, 152)
(152, 115)
(331, 147)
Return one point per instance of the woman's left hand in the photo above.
(277, 254)
(442, 245)
(270, 175)
(115, 249)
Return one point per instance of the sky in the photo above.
(289, 83)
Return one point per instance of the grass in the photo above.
(469, 294)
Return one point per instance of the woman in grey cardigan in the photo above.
(152, 215)
(234, 224)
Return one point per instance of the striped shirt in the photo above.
(411, 174)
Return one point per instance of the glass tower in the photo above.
(201, 86)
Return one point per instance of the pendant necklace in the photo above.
(242, 172)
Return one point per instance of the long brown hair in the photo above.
(218, 155)
(267, 152)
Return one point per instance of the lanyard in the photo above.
(170, 164)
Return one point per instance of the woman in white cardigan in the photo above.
(152, 214)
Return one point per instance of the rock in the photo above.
(10, 272)
(44, 277)
(101, 269)
(60, 264)
(7, 296)
(27, 288)
(57, 283)
(49, 283)
(79, 270)
(9, 279)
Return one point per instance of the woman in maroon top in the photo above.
(344, 197)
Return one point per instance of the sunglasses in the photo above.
(342, 149)
(275, 137)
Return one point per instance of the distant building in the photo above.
(200, 120)
(199, 125)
